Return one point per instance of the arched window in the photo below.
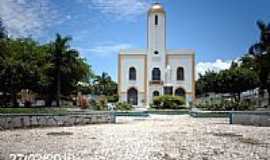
(180, 73)
(168, 90)
(155, 93)
(180, 92)
(132, 73)
(155, 52)
(156, 19)
(156, 74)
(132, 96)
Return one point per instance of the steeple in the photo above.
(156, 28)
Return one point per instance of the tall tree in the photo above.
(3, 32)
(68, 69)
(51, 70)
(234, 80)
(60, 49)
(104, 85)
(261, 55)
(207, 83)
(18, 68)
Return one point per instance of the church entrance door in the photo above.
(132, 96)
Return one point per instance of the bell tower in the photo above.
(156, 29)
(156, 50)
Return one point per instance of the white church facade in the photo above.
(156, 70)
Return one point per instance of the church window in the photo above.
(132, 73)
(168, 90)
(156, 19)
(180, 73)
(155, 93)
(156, 74)
(180, 92)
(155, 52)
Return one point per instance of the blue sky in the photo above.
(219, 30)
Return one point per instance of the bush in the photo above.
(100, 104)
(123, 106)
(168, 102)
(113, 99)
(226, 105)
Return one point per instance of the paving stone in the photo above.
(158, 137)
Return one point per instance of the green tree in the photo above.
(236, 80)
(60, 49)
(207, 83)
(25, 64)
(18, 67)
(104, 85)
(68, 69)
(51, 69)
(261, 55)
(3, 32)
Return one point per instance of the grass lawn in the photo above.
(33, 110)
(159, 109)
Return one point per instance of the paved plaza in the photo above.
(136, 138)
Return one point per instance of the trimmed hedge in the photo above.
(168, 102)
(123, 106)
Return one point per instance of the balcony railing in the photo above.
(156, 82)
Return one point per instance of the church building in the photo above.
(156, 70)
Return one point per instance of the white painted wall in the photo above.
(138, 62)
(186, 63)
(156, 33)
(156, 40)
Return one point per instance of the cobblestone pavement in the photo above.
(155, 137)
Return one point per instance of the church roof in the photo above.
(133, 51)
(168, 51)
(181, 51)
(156, 8)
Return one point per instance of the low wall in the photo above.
(11, 121)
(168, 112)
(209, 114)
(131, 113)
(250, 118)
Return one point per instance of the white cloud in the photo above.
(119, 9)
(27, 17)
(216, 66)
(106, 49)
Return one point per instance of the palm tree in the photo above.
(103, 85)
(261, 54)
(3, 32)
(60, 49)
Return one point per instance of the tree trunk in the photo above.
(268, 100)
(268, 90)
(14, 99)
(48, 101)
(239, 96)
(260, 97)
(58, 89)
(4, 98)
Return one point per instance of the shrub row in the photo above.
(226, 105)
(123, 106)
(168, 102)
